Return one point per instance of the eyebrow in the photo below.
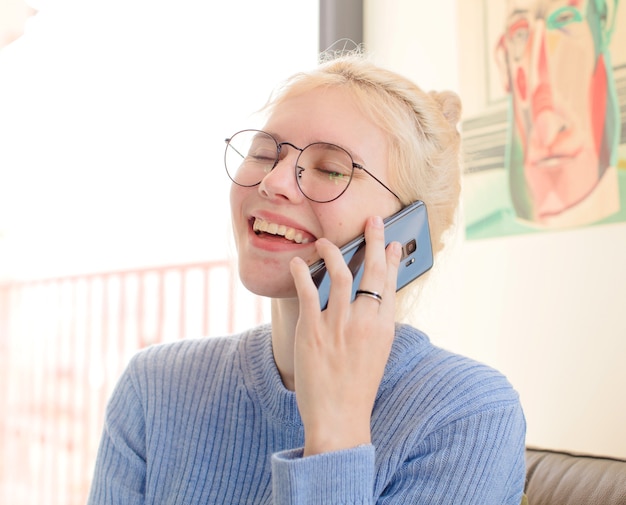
(273, 134)
(518, 12)
(355, 157)
(336, 147)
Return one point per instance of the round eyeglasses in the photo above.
(323, 171)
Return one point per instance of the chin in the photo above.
(268, 285)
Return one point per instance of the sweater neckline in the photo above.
(263, 379)
(264, 383)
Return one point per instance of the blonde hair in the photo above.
(424, 143)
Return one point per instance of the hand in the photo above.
(341, 353)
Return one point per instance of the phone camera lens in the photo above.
(410, 247)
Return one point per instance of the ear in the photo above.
(500, 57)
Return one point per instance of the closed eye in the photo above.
(563, 17)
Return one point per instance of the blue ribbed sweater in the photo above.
(209, 421)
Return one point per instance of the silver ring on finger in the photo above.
(370, 294)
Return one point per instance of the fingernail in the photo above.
(396, 248)
(377, 221)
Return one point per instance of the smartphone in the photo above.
(410, 227)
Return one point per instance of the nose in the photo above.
(280, 182)
(548, 124)
(549, 131)
(539, 84)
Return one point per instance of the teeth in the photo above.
(292, 234)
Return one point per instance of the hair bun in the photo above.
(450, 105)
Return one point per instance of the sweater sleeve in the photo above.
(120, 471)
(342, 477)
(475, 460)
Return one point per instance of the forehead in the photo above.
(321, 114)
(329, 115)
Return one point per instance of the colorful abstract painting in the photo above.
(545, 138)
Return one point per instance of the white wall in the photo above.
(548, 310)
(113, 116)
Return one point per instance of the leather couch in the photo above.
(559, 478)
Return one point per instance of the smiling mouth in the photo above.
(260, 226)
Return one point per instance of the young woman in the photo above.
(340, 406)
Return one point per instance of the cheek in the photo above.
(345, 221)
(598, 100)
(520, 83)
(237, 195)
(234, 202)
(520, 102)
(338, 224)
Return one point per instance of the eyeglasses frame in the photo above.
(279, 146)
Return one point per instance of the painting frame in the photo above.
(489, 210)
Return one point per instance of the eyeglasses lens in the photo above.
(250, 155)
(323, 171)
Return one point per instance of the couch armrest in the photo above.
(559, 478)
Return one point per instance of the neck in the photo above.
(285, 312)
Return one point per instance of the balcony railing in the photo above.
(64, 343)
